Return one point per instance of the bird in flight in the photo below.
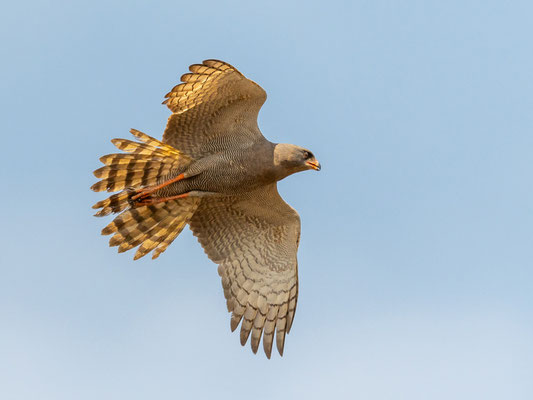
(216, 172)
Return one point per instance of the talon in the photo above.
(143, 194)
(141, 198)
(144, 198)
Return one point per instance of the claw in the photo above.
(142, 194)
(145, 199)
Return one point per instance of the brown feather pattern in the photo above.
(253, 237)
(214, 109)
(151, 227)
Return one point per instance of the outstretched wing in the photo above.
(215, 108)
(254, 239)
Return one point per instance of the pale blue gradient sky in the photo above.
(416, 252)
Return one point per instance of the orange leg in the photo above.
(145, 201)
(146, 192)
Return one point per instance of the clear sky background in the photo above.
(417, 235)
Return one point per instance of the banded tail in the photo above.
(151, 227)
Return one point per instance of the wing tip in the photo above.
(245, 333)
(219, 65)
(268, 355)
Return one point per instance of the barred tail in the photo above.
(146, 163)
(151, 227)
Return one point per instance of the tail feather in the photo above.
(143, 137)
(113, 204)
(149, 146)
(138, 148)
(150, 160)
(168, 227)
(151, 227)
(126, 158)
(118, 179)
(143, 220)
(118, 170)
(123, 220)
(174, 230)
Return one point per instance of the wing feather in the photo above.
(214, 108)
(254, 239)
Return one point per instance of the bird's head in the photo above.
(293, 158)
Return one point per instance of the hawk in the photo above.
(216, 172)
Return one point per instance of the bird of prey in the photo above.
(216, 172)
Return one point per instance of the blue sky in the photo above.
(416, 251)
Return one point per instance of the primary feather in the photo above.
(216, 172)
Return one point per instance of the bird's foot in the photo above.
(146, 199)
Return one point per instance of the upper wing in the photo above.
(254, 239)
(215, 108)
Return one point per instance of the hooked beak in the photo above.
(313, 164)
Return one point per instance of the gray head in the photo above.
(290, 159)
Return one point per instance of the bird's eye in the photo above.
(307, 155)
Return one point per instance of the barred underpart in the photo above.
(254, 239)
